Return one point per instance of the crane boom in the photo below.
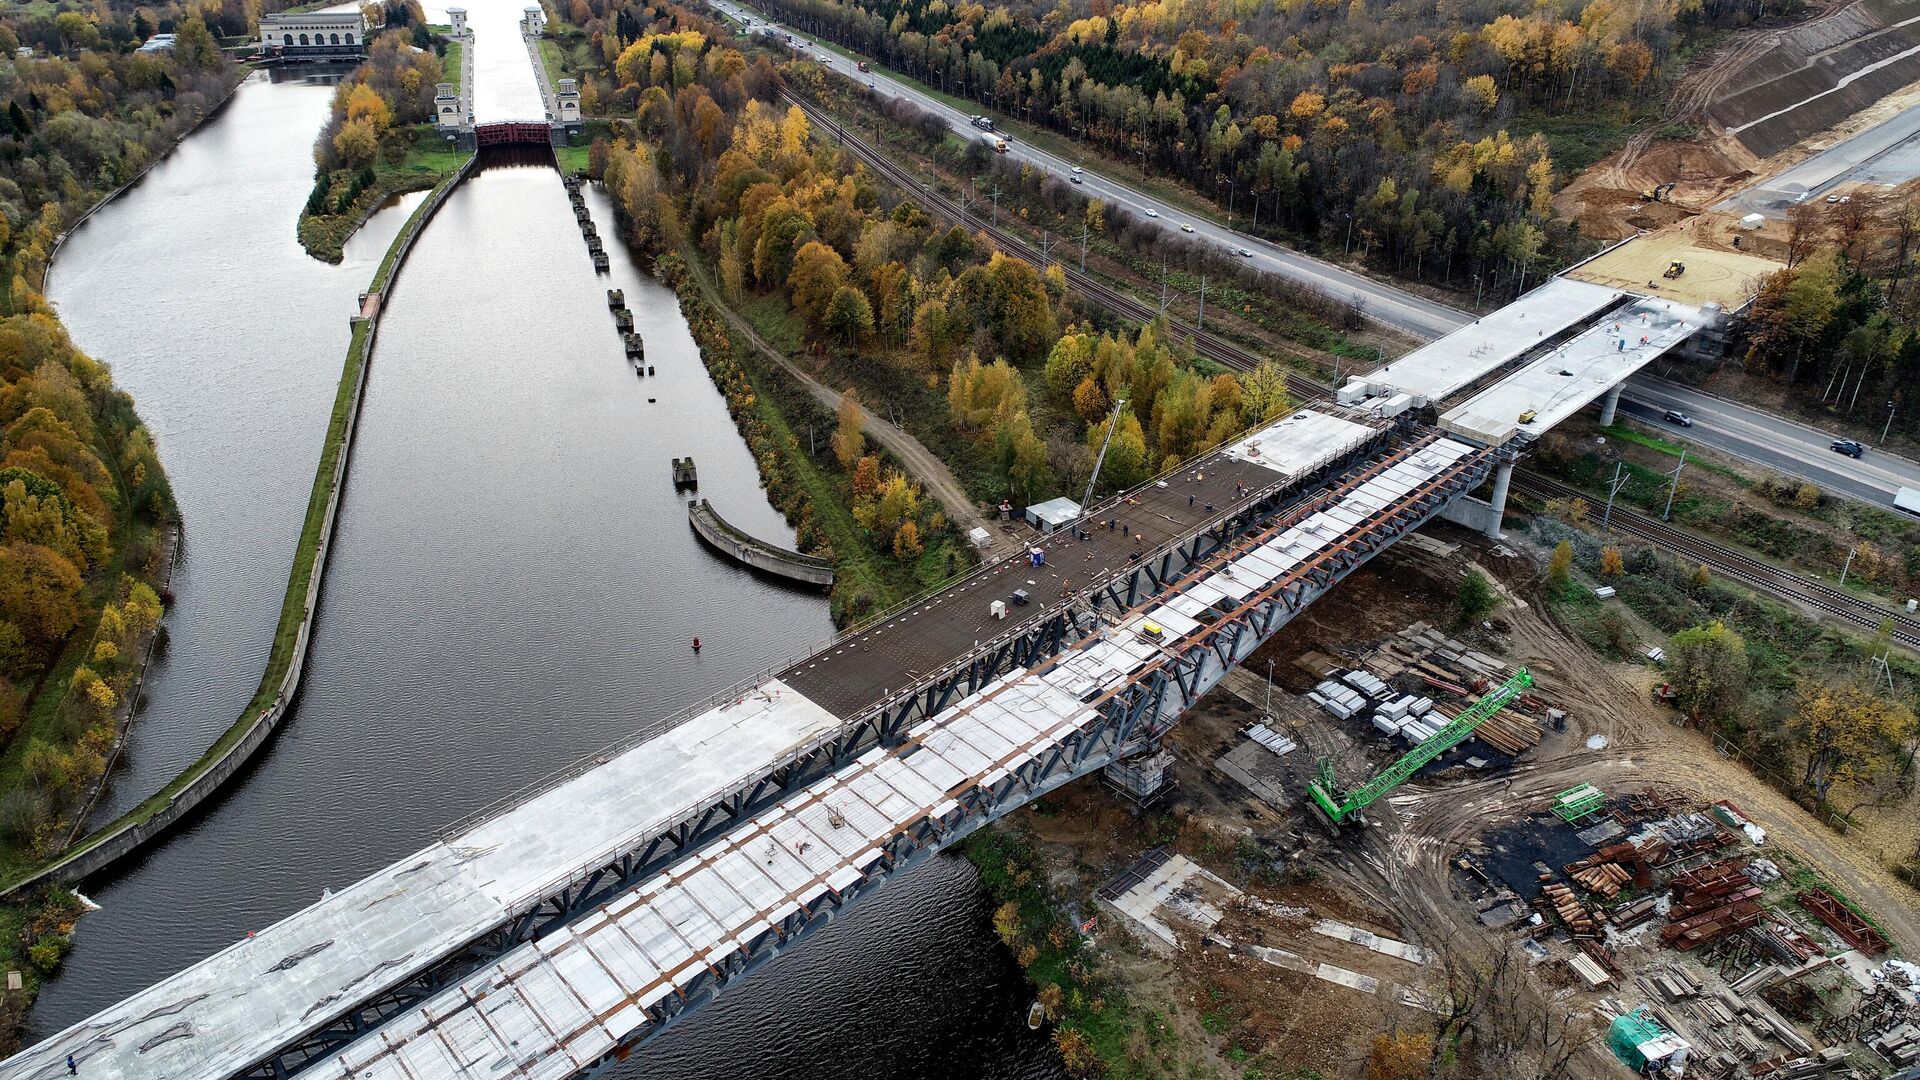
(1326, 791)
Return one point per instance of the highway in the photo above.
(1393, 307)
(1769, 440)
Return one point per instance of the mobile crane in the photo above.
(1340, 803)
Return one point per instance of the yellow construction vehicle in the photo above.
(1674, 269)
(1657, 193)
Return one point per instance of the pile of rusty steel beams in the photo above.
(1711, 925)
(1852, 929)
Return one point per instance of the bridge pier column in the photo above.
(1609, 404)
(1502, 477)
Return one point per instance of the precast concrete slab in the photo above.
(1300, 443)
(1553, 387)
(560, 1005)
(615, 970)
(1437, 371)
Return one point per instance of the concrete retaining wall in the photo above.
(127, 835)
(758, 554)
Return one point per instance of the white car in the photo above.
(1151, 212)
(1077, 170)
(1243, 253)
(1184, 227)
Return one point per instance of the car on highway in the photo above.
(1243, 253)
(1184, 227)
(1849, 447)
(1074, 180)
(1151, 212)
(1675, 416)
(1077, 170)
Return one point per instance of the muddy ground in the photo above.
(1394, 877)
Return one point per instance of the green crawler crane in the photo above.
(1339, 804)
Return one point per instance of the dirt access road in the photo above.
(920, 463)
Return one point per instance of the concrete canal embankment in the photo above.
(756, 553)
(288, 657)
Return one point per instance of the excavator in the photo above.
(1657, 193)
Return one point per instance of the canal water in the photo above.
(230, 338)
(504, 84)
(512, 586)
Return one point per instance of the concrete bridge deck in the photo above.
(586, 917)
(566, 1004)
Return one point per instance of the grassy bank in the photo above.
(1780, 519)
(1097, 1030)
(416, 159)
(770, 410)
(1786, 651)
(306, 564)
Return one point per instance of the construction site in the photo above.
(1389, 824)
(1815, 113)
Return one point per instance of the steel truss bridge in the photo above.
(554, 937)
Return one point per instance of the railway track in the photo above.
(1814, 595)
(1742, 567)
(1120, 303)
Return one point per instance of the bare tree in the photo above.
(1500, 1019)
(1803, 228)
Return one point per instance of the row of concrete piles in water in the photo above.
(636, 349)
(595, 248)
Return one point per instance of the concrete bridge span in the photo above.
(555, 935)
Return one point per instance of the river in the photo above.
(513, 583)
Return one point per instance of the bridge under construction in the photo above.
(561, 930)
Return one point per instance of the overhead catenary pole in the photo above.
(1613, 488)
(1667, 514)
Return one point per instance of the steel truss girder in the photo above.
(1081, 752)
(886, 725)
(1198, 666)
